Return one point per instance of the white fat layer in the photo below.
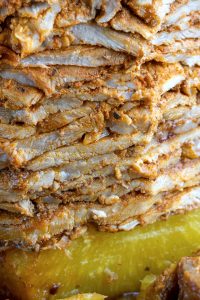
(129, 225)
(172, 82)
(143, 2)
(99, 213)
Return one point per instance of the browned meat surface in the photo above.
(99, 115)
(181, 282)
(48, 219)
(189, 278)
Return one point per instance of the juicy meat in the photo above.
(127, 22)
(24, 150)
(109, 8)
(181, 9)
(165, 37)
(98, 178)
(49, 79)
(189, 278)
(184, 46)
(153, 12)
(120, 80)
(107, 145)
(30, 33)
(75, 12)
(178, 282)
(38, 113)
(189, 59)
(15, 95)
(8, 7)
(93, 34)
(79, 151)
(76, 55)
(57, 219)
(51, 122)
(23, 207)
(12, 132)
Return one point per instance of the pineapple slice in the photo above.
(101, 262)
(85, 297)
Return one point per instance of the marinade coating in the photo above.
(58, 24)
(28, 148)
(40, 230)
(51, 78)
(86, 56)
(180, 281)
(135, 121)
(15, 95)
(65, 155)
(189, 277)
(106, 184)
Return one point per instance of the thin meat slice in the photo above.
(93, 34)
(15, 95)
(153, 12)
(38, 113)
(85, 56)
(21, 151)
(109, 8)
(49, 79)
(59, 219)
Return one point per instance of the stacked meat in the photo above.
(100, 116)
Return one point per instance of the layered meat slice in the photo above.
(124, 125)
(109, 175)
(123, 26)
(99, 116)
(31, 232)
(180, 281)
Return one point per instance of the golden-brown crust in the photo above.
(127, 152)
(9, 7)
(165, 286)
(53, 219)
(189, 278)
(179, 282)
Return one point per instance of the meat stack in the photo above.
(100, 116)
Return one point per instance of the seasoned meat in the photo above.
(93, 34)
(77, 56)
(58, 219)
(189, 278)
(178, 282)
